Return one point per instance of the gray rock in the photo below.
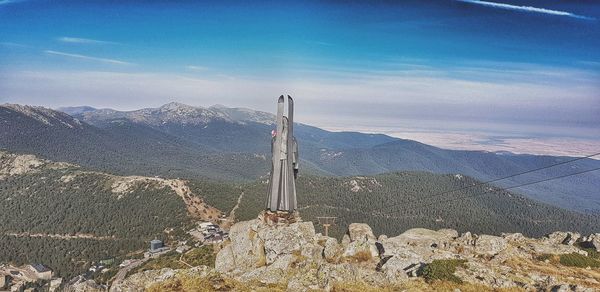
(514, 237)
(542, 247)
(332, 250)
(304, 281)
(466, 238)
(570, 288)
(255, 244)
(419, 240)
(225, 261)
(345, 239)
(360, 232)
(451, 233)
(245, 251)
(295, 238)
(489, 245)
(80, 284)
(401, 265)
(560, 237)
(361, 251)
(594, 240)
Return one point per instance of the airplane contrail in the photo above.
(527, 9)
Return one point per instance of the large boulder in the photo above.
(360, 251)
(264, 252)
(245, 251)
(360, 232)
(556, 249)
(489, 245)
(296, 238)
(422, 241)
(401, 265)
(359, 244)
(332, 251)
(561, 237)
(524, 247)
(593, 241)
(596, 242)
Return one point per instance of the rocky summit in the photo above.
(262, 255)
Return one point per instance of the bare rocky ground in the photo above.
(278, 257)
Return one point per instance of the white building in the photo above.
(40, 271)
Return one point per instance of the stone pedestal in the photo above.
(279, 217)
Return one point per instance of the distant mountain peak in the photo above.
(177, 106)
(76, 110)
(176, 113)
(44, 115)
(218, 106)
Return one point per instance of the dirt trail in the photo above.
(195, 205)
(237, 205)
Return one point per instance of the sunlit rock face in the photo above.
(291, 255)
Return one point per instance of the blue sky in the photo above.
(520, 68)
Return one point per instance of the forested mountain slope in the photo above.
(65, 217)
(394, 202)
(119, 146)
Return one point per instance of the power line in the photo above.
(502, 178)
(508, 188)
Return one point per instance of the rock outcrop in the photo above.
(80, 284)
(592, 241)
(560, 237)
(291, 256)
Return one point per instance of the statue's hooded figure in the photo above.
(284, 169)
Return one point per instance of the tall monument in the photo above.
(284, 169)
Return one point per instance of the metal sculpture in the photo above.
(284, 169)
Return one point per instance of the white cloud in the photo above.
(13, 45)
(83, 57)
(83, 41)
(196, 68)
(569, 97)
(527, 9)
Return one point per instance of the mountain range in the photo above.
(233, 144)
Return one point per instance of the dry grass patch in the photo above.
(360, 256)
(361, 287)
(571, 275)
(190, 283)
